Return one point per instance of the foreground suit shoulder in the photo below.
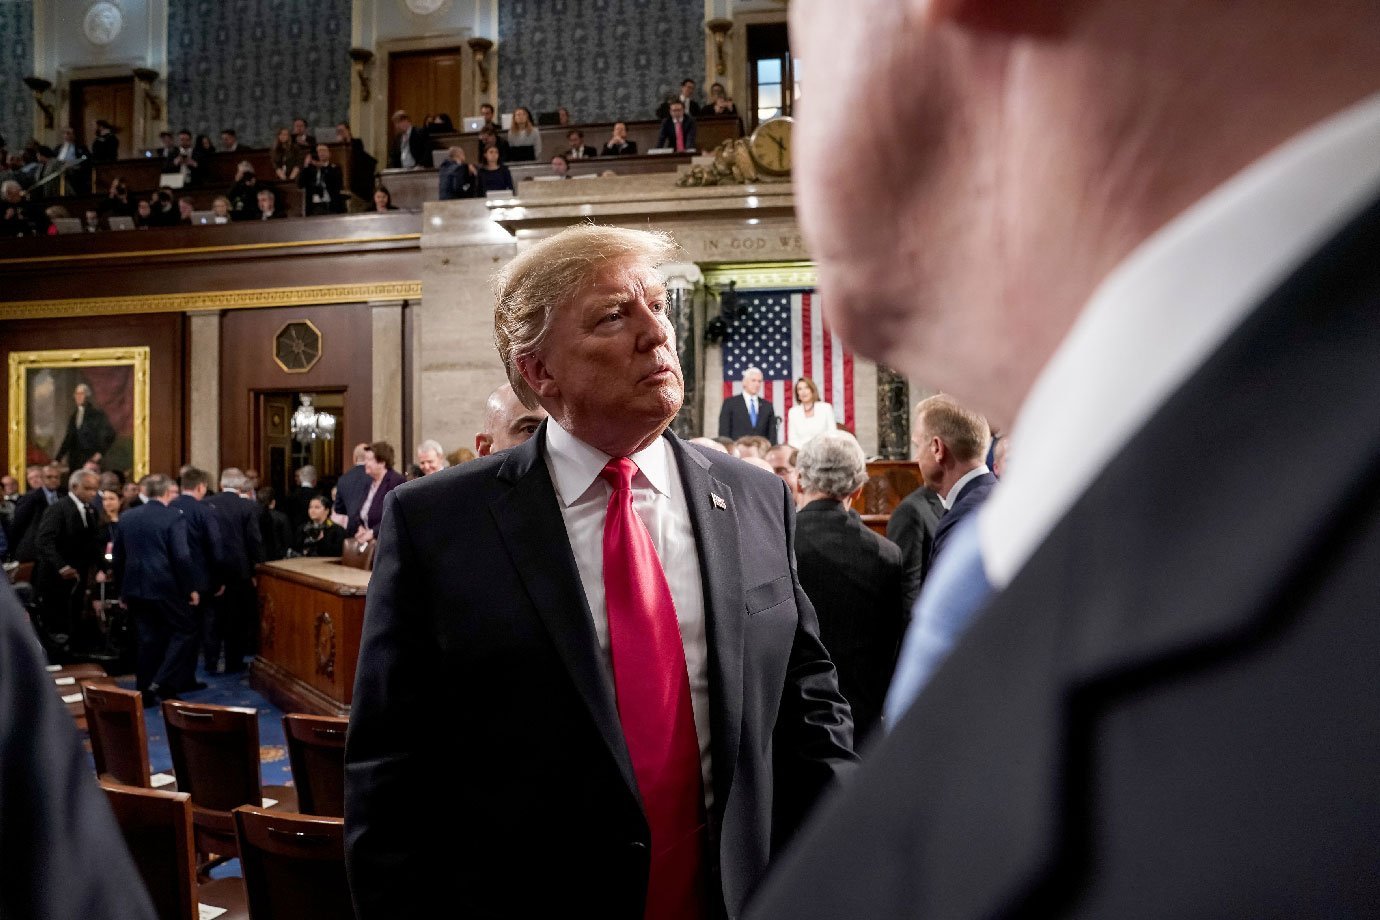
(1139, 689)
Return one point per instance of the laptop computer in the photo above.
(68, 225)
(206, 218)
(120, 223)
(472, 124)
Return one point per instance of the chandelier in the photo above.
(310, 424)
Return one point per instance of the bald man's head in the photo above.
(507, 422)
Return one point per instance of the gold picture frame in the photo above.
(25, 364)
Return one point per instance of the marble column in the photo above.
(893, 415)
(203, 392)
(681, 278)
(387, 360)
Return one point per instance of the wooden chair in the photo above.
(215, 754)
(294, 865)
(119, 738)
(157, 826)
(316, 749)
(68, 681)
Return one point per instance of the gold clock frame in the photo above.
(320, 351)
(21, 362)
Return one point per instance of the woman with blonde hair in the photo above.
(809, 416)
(524, 140)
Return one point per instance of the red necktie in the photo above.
(653, 691)
(680, 137)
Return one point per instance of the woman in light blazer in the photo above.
(809, 416)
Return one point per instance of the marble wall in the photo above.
(16, 62)
(602, 59)
(254, 65)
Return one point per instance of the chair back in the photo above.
(316, 749)
(293, 865)
(157, 827)
(119, 738)
(215, 753)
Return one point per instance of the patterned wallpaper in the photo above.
(16, 62)
(602, 59)
(254, 65)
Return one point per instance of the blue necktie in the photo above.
(954, 592)
(752, 411)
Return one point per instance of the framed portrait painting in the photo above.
(72, 406)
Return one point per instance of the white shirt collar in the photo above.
(948, 500)
(575, 465)
(81, 505)
(1162, 312)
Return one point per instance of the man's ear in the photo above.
(483, 444)
(538, 376)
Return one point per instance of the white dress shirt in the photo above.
(405, 157)
(948, 500)
(659, 500)
(801, 427)
(1162, 313)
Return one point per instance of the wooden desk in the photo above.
(311, 614)
(888, 482)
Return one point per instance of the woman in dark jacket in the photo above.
(320, 536)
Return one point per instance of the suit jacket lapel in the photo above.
(716, 534)
(533, 530)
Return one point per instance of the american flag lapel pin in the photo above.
(719, 502)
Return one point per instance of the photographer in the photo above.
(117, 203)
(244, 202)
(322, 184)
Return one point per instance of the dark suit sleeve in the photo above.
(690, 134)
(813, 739)
(104, 433)
(667, 136)
(387, 787)
(907, 531)
(769, 420)
(181, 555)
(253, 538)
(61, 852)
(726, 418)
(49, 535)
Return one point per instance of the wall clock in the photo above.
(103, 23)
(770, 146)
(297, 347)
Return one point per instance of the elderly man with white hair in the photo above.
(855, 578)
(649, 711)
(431, 457)
(235, 610)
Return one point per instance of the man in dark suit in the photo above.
(206, 549)
(578, 149)
(64, 855)
(686, 99)
(950, 444)
(677, 130)
(154, 570)
(854, 578)
(1165, 703)
(912, 527)
(89, 433)
(322, 184)
(653, 712)
(362, 166)
(748, 413)
(353, 487)
(411, 147)
(29, 509)
(66, 548)
(235, 610)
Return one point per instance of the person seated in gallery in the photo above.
(457, 177)
(383, 200)
(488, 137)
(268, 204)
(493, 175)
(578, 149)
(618, 144)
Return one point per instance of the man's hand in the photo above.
(100, 578)
(196, 599)
(68, 573)
(220, 591)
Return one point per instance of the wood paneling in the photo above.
(162, 333)
(111, 100)
(424, 83)
(248, 369)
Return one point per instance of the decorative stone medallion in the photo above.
(103, 23)
(425, 7)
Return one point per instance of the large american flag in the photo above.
(785, 334)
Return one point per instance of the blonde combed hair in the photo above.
(532, 287)
(962, 430)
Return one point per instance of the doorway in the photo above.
(279, 455)
(109, 100)
(424, 83)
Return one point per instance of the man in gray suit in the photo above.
(1165, 701)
